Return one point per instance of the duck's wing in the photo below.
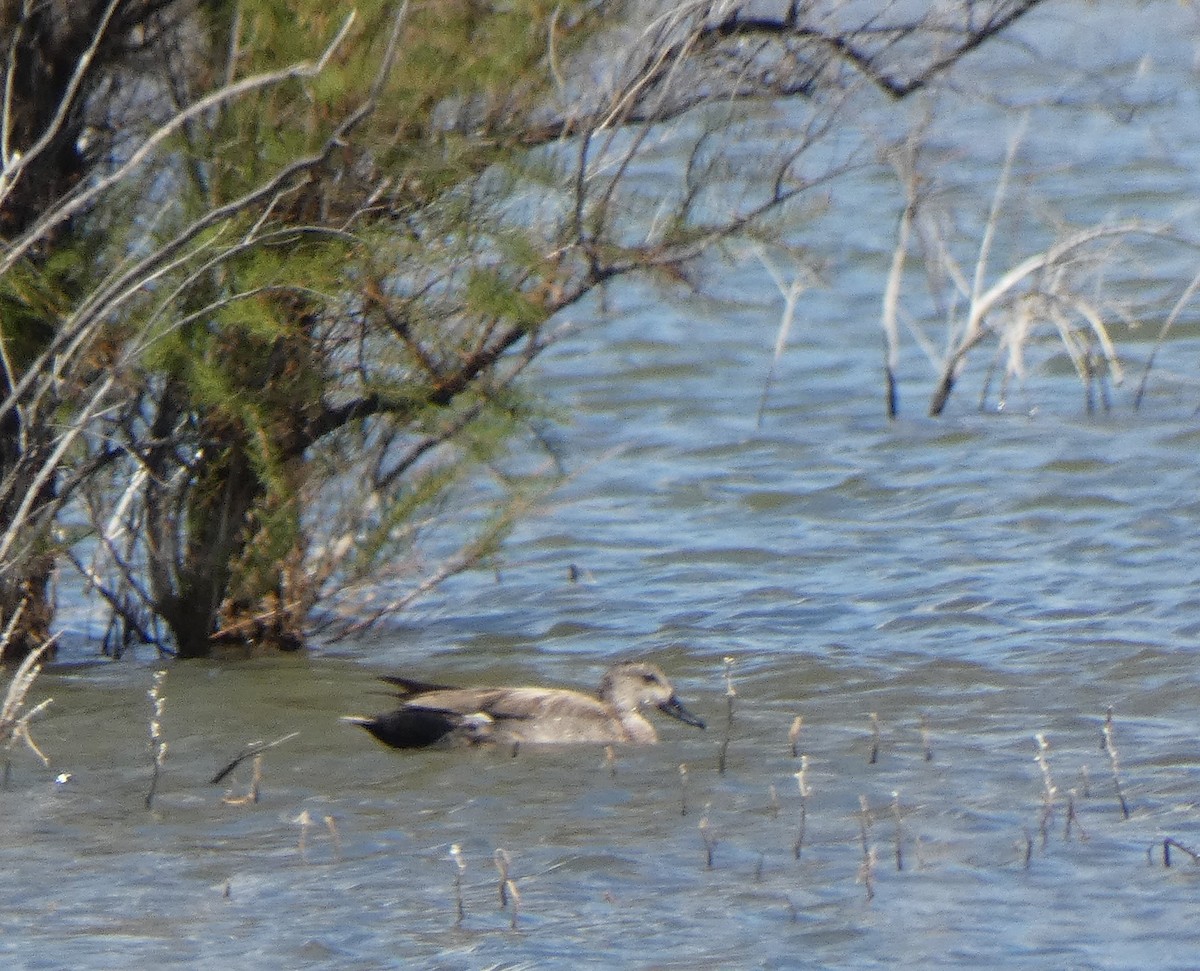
(541, 703)
(498, 704)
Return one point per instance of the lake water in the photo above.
(933, 593)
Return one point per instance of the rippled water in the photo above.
(970, 581)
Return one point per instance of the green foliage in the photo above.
(489, 294)
(31, 301)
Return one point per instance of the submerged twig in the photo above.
(251, 749)
(1170, 842)
(926, 746)
(252, 793)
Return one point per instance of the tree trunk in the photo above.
(233, 571)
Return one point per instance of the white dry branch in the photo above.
(1055, 290)
(791, 291)
(1039, 283)
(14, 715)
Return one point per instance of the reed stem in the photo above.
(158, 745)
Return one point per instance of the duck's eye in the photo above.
(649, 678)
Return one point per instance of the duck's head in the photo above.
(639, 684)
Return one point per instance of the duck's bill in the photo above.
(675, 709)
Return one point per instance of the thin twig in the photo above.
(252, 749)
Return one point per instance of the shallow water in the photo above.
(971, 581)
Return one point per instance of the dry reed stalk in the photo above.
(794, 735)
(1182, 302)
(332, 826)
(158, 745)
(710, 841)
(304, 821)
(899, 830)
(501, 859)
(730, 694)
(515, 896)
(683, 778)
(1049, 791)
(1045, 290)
(926, 746)
(866, 872)
(460, 867)
(873, 718)
(802, 786)
(864, 822)
(774, 802)
(1114, 759)
(1073, 818)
